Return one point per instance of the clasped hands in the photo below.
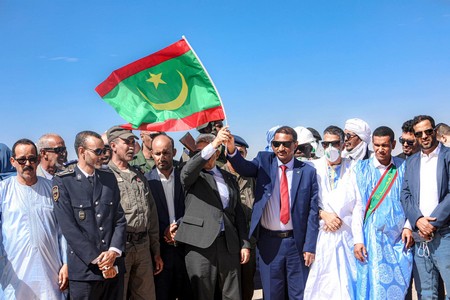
(170, 233)
(105, 262)
(426, 230)
(332, 221)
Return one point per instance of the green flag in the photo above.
(169, 90)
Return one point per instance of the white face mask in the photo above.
(332, 154)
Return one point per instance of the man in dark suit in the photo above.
(87, 207)
(213, 227)
(285, 214)
(426, 201)
(165, 185)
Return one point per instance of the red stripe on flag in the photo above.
(172, 51)
(187, 123)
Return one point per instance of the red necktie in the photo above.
(284, 196)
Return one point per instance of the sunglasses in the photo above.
(332, 143)
(98, 151)
(57, 150)
(23, 160)
(277, 144)
(418, 134)
(349, 136)
(408, 142)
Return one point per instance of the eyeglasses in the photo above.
(326, 144)
(349, 136)
(408, 142)
(57, 150)
(303, 147)
(23, 160)
(286, 144)
(98, 151)
(419, 134)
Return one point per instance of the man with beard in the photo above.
(53, 154)
(87, 207)
(142, 218)
(357, 139)
(164, 181)
(426, 200)
(32, 249)
(408, 140)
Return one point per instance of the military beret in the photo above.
(119, 132)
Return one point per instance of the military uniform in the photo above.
(92, 221)
(142, 231)
(143, 164)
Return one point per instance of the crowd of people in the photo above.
(318, 216)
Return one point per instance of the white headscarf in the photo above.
(360, 128)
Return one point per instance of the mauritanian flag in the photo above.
(169, 90)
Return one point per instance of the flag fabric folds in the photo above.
(169, 90)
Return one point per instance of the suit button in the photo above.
(71, 252)
(269, 194)
(103, 241)
(81, 206)
(101, 228)
(99, 215)
(96, 203)
(110, 203)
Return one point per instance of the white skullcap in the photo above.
(360, 128)
(304, 136)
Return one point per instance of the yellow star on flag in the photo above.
(156, 79)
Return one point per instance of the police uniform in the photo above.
(92, 221)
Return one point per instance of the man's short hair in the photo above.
(287, 130)
(420, 118)
(384, 131)
(81, 137)
(407, 127)
(334, 130)
(23, 142)
(205, 138)
(443, 129)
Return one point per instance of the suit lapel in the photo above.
(84, 184)
(442, 178)
(296, 177)
(178, 196)
(160, 191)
(416, 166)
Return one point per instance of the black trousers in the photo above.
(109, 289)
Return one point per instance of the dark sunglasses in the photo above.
(349, 136)
(286, 144)
(98, 151)
(332, 143)
(408, 142)
(418, 134)
(23, 160)
(57, 150)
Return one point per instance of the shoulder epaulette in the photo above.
(69, 170)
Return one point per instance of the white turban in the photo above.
(360, 128)
(304, 136)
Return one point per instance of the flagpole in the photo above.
(207, 74)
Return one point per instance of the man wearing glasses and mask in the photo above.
(32, 248)
(357, 139)
(426, 201)
(333, 273)
(408, 141)
(87, 207)
(53, 154)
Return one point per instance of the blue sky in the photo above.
(309, 63)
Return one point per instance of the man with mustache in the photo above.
(426, 200)
(141, 214)
(32, 248)
(53, 154)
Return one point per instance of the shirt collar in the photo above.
(378, 165)
(289, 165)
(84, 173)
(162, 176)
(435, 152)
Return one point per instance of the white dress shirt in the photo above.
(429, 196)
(168, 185)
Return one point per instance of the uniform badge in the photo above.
(78, 177)
(81, 215)
(55, 192)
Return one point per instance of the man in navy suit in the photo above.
(165, 185)
(87, 207)
(285, 214)
(426, 201)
